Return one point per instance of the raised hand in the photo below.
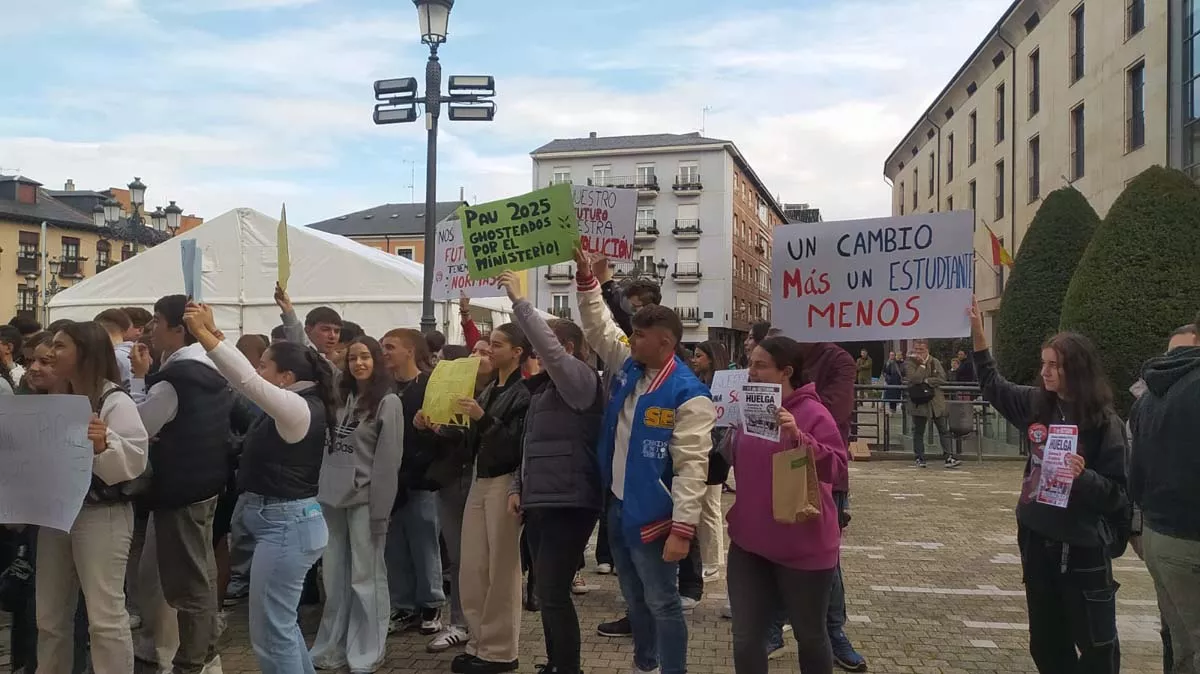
(511, 284)
(282, 300)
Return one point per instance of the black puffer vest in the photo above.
(560, 468)
(273, 468)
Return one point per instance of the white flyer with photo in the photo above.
(727, 395)
(760, 402)
(1054, 488)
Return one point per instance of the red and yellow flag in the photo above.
(1000, 256)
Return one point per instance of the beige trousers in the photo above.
(489, 573)
(92, 558)
(712, 528)
(158, 639)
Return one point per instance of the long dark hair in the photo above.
(785, 352)
(95, 361)
(718, 356)
(306, 364)
(1086, 383)
(377, 386)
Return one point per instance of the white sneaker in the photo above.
(450, 637)
(688, 604)
(712, 572)
(579, 585)
(604, 569)
(635, 670)
(727, 611)
(222, 623)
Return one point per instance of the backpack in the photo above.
(1118, 524)
(121, 492)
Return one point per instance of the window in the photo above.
(70, 256)
(645, 218)
(901, 197)
(561, 302)
(561, 175)
(689, 173)
(1078, 163)
(127, 251)
(949, 158)
(27, 252)
(103, 255)
(27, 298)
(1135, 17)
(406, 253)
(645, 265)
(950, 203)
(972, 137)
(1035, 168)
(1135, 92)
(1000, 113)
(916, 181)
(999, 215)
(932, 170)
(601, 175)
(1077, 42)
(1035, 82)
(762, 210)
(972, 193)
(645, 175)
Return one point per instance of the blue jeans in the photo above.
(241, 552)
(289, 537)
(414, 557)
(650, 588)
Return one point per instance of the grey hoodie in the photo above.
(363, 464)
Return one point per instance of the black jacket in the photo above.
(560, 468)
(1165, 424)
(1096, 494)
(496, 439)
(421, 448)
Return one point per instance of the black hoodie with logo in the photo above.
(1166, 444)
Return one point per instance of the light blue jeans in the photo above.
(241, 552)
(651, 590)
(414, 557)
(289, 536)
(354, 623)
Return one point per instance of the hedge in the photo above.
(1140, 277)
(1031, 307)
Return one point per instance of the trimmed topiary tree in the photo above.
(1031, 307)
(1139, 278)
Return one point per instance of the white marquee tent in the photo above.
(377, 290)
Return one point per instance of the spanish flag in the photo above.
(999, 255)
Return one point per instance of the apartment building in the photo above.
(1088, 93)
(398, 229)
(705, 226)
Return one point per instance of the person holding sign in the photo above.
(279, 476)
(790, 554)
(557, 488)
(1067, 544)
(657, 422)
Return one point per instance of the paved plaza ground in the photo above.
(933, 585)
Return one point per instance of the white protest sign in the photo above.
(606, 220)
(47, 459)
(879, 279)
(727, 395)
(1054, 487)
(759, 404)
(450, 273)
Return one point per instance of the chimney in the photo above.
(592, 134)
(70, 186)
(462, 194)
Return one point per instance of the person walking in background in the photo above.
(1162, 481)
(893, 375)
(770, 561)
(709, 357)
(927, 402)
(94, 554)
(357, 490)
(279, 477)
(1065, 556)
(557, 488)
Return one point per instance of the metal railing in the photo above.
(686, 270)
(649, 182)
(561, 312)
(686, 226)
(685, 182)
(688, 314)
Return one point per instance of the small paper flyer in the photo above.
(727, 395)
(1054, 488)
(759, 404)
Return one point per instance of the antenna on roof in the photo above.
(412, 180)
(704, 118)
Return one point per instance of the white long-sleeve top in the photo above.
(289, 409)
(159, 405)
(126, 455)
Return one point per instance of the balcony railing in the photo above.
(27, 263)
(688, 228)
(561, 312)
(688, 315)
(646, 231)
(101, 265)
(560, 181)
(71, 266)
(649, 182)
(623, 269)
(23, 312)
(686, 271)
(560, 273)
(688, 182)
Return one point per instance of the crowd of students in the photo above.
(226, 473)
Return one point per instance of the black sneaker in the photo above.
(480, 666)
(920, 463)
(431, 621)
(616, 629)
(460, 663)
(402, 621)
(952, 462)
(235, 598)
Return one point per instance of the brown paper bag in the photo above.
(795, 495)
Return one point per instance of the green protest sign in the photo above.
(524, 232)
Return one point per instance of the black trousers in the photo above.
(691, 573)
(603, 554)
(1072, 603)
(557, 539)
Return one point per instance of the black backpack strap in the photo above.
(115, 389)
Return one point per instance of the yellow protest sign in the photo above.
(284, 255)
(451, 380)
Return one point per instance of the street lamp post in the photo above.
(468, 99)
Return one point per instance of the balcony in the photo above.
(27, 263)
(635, 270)
(688, 185)
(646, 185)
(646, 232)
(101, 265)
(689, 316)
(687, 272)
(686, 230)
(561, 312)
(71, 267)
(23, 312)
(560, 274)
(560, 181)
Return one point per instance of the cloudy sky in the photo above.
(226, 103)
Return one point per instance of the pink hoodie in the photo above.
(808, 546)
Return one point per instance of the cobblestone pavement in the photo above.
(933, 586)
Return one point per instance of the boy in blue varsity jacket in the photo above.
(653, 453)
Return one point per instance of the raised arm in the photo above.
(601, 333)
(1012, 401)
(293, 329)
